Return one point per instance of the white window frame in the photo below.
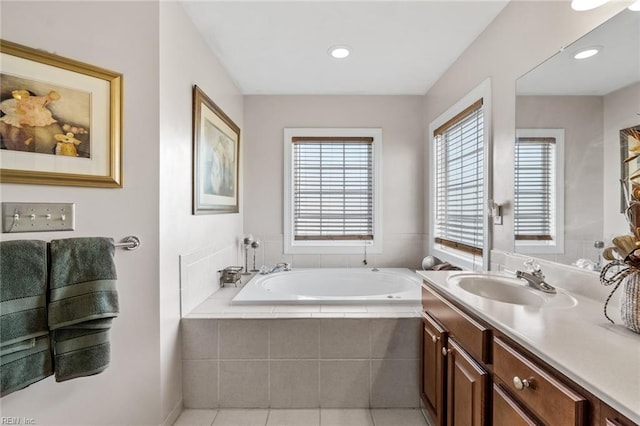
(464, 260)
(556, 245)
(292, 246)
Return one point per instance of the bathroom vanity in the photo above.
(526, 360)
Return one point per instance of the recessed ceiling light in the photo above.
(586, 53)
(339, 52)
(635, 6)
(586, 4)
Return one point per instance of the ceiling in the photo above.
(398, 47)
(617, 65)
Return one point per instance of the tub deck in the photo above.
(218, 305)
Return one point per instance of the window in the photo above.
(332, 191)
(458, 221)
(538, 205)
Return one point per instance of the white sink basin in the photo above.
(508, 290)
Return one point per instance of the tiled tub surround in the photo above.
(299, 356)
(300, 362)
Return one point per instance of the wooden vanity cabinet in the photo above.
(473, 375)
(432, 368)
(467, 385)
(454, 384)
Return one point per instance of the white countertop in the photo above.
(578, 341)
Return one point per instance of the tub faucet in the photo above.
(282, 266)
(534, 277)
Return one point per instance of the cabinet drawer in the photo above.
(474, 337)
(507, 412)
(553, 402)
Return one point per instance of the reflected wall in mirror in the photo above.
(585, 103)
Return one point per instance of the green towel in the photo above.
(25, 355)
(22, 368)
(83, 301)
(23, 291)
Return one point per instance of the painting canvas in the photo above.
(215, 145)
(44, 118)
(630, 160)
(60, 120)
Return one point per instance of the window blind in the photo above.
(459, 181)
(333, 188)
(534, 186)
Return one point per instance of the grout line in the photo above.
(218, 363)
(216, 415)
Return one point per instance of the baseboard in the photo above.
(174, 414)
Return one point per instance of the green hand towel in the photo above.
(22, 368)
(25, 355)
(83, 301)
(23, 291)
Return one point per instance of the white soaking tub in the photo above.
(333, 286)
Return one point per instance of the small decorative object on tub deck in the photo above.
(230, 275)
(625, 272)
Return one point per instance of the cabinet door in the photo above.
(432, 382)
(507, 412)
(467, 388)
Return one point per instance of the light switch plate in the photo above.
(38, 217)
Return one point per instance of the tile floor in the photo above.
(302, 417)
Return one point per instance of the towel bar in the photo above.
(130, 243)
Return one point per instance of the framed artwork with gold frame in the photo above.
(60, 120)
(216, 151)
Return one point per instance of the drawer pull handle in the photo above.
(521, 384)
(435, 339)
(445, 351)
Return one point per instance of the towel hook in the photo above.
(130, 243)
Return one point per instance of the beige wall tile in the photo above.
(199, 338)
(394, 383)
(294, 384)
(244, 384)
(294, 338)
(244, 339)
(200, 383)
(344, 384)
(395, 338)
(344, 338)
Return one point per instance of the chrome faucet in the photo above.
(534, 277)
(282, 266)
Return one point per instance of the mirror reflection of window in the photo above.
(593, 99)
(539, 179)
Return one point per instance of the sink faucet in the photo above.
(534, 277)
(282, 266)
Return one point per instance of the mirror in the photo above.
(571, 119)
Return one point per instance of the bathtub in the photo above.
(332, 286)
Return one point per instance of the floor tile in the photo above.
(247, 417)
(396, 417)
(309, 417)
(195, 418)
(345, 417)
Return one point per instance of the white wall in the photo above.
(582, 119)
(402, 191)
(122, 37)
(185, 60)
(509, 47)
(621, 109)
